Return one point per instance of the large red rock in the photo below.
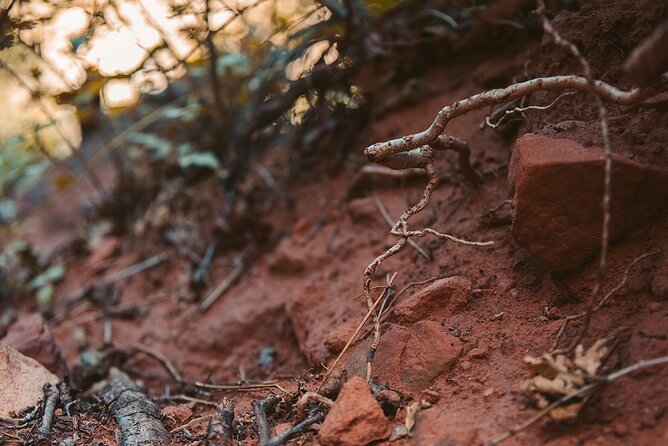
(558, 187)
(434, 301)
(355, 419)
(31, 336)
(410, 359)
(22, 381)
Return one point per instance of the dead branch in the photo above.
(219, 431)
(51, 397)
(137, 416)
(587, 389)
(260, 409)
(171, 369)
(296, 429)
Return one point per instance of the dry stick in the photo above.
(605, 298)
(219, 431)
(354, 335)
(283, 436)
(169, 366)
(223, 286)
(581, 391)
(191, 423)
(607, 180)
(50, 401)
(388, 219)
(115, 277)
(262, 425)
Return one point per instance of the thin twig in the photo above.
(296, 429)
(354, 335)
(191, 423)
(169, 366)
(388, 219)
(223, 286)
(507, 113)
(602, 302)
(607, 178)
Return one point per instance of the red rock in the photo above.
(412, 359)
(355, 419)
(31, 336)
(22, 381)
(288, 258)
(558, 186)
(181, 412)
(437, 426)
(436, 300)
(338, 337)
(478, 353)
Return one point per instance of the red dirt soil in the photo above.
(300, 299)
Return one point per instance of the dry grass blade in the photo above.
(357, 330)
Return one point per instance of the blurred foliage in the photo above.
(205, 87)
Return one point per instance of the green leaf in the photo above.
(45, 294)
(188, 113)
(160, 147)
(38, 282)
(55, 273)
(7, 210)
(205, 160)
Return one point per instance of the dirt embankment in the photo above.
(458, 341)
